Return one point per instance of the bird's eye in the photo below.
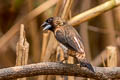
(63, 23)
(50, 20)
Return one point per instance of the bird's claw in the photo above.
(61, 61)
(87, 65)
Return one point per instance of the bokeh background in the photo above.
(101, 35)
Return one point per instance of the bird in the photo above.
(69, 37)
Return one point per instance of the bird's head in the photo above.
(52, 22)
(48, 24)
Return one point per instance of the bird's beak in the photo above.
(46, 26)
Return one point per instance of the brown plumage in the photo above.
(69, 37)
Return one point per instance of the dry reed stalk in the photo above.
(94, 12)
(59, 78)
(99, 30)
(59, 54)
(111, 56)
(103, 31)
(108, 24)
(71, 61)
(85, 38)
(97, 61)
(36, 51)
(51, 48)
(34, 35)
(59, 8)
(70, 14)
(103, 61)
(49, 51)
(44, 45)
(110, 53)
(22, 49)
(84, 29)
(66, 10)
(116, 13)
(51, 77)
(52, 59)
(59, 57)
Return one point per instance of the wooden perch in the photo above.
(53, 68)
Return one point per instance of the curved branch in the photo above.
(53, 68)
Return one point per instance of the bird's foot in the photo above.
(62, 61)
(87, 65)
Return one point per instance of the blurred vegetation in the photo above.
(98, 34)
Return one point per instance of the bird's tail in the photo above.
(84, 62)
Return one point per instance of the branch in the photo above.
(53, 68)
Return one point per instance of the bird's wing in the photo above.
(74, 39)
(70, 38)
(60, 35)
